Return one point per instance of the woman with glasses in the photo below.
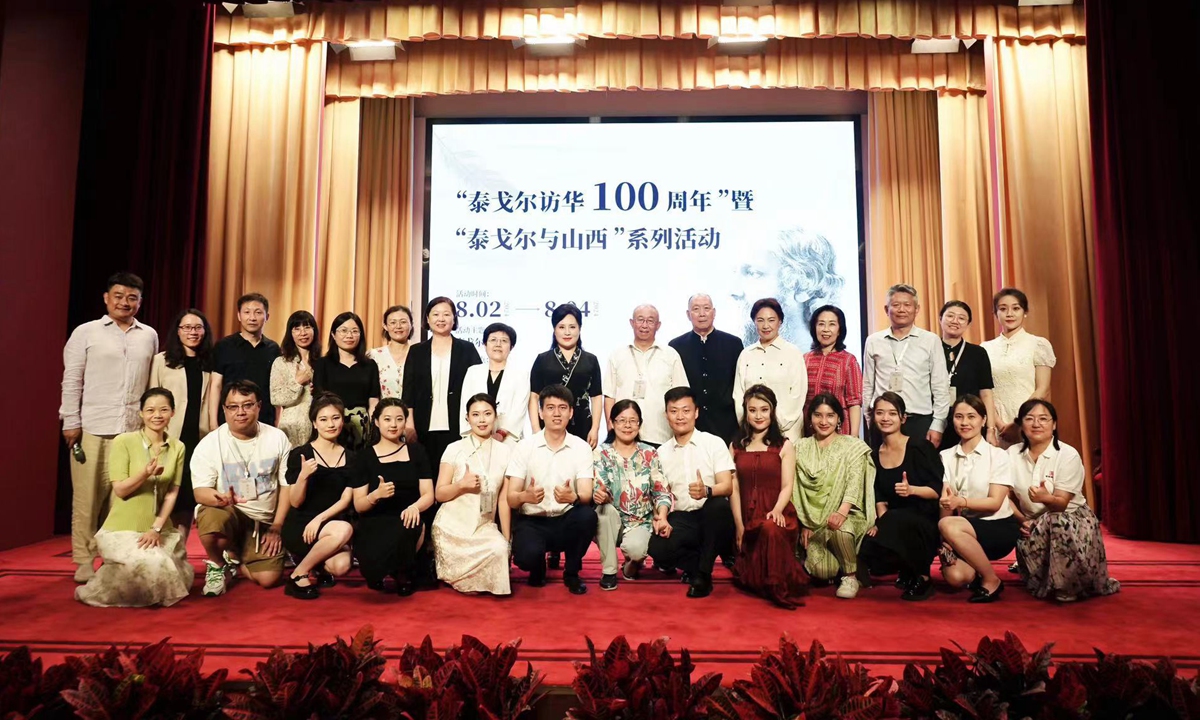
(1060, 552)
(185, 369)
(347, 372)
(631, 495)
(397, 331)
(508, 388)
(291, 376)
(471, 551)
(145, 561)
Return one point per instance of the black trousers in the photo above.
(697, 537)
(570, 533)
(917, 425)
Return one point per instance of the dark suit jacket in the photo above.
(710, 368)
(418, 382)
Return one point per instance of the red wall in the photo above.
(41, 100)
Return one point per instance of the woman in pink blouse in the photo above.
(831, 369)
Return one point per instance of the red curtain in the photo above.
(1147, 228)
(143, 157)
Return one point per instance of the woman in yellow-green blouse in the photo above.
(145, 562)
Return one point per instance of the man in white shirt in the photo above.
(699, 471)
(550, 485)
(643, 371)
(238, 479)
(908, 360)
(106, 368)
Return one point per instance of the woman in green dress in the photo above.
(834, 495)
(145, 561)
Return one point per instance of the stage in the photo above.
(1147, 619)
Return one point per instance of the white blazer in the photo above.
(512, 401)
(175, 380)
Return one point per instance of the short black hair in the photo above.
(832, 402)
(429, 306)
(557, 392)
(288, 349)
(1026, 408)
(676, 394)
(973, 402)
(158, 392)
(360, 350)
(125, 278)
(958, 304)
(481, 398)
(241, 387)
(392, 311)
(766, 303)
(254, 297)
(621, 406)
(840, 343)
(1022, 298)
(560, 313)
(500, 327)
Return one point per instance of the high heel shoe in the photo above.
(301, 592)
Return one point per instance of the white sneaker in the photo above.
(848, 587)
(232, 566)
(84, 572)
(214, 579)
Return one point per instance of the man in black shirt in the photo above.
(710, 360)
(969, 367)
(246, 355)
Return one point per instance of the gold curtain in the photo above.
(263, 158)
(967, 250)
(1048, 247)
(903, 213)
(383, 249)
(462, 66)
(336, 261)
(649, 19)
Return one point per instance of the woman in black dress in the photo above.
(315, 530)
(567, 363)
(394, 487)
(347, 372)
(908, 484)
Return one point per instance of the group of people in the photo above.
(421, 463)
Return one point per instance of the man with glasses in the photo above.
(245, 355)
(238, 480)
(106, 368)
(643, 371)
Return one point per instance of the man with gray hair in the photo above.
(710, 360)
(643, 371)
(907, 360)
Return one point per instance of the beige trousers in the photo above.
(634, 542)
(89, 503)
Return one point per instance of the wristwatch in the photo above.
(156, 529)
(707, 491)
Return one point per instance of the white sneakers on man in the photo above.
(848, 587)
(214, 579)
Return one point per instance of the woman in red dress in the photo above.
(766, 522)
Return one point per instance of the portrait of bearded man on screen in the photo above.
(801, 272)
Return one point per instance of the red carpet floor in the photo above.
(1149, 618)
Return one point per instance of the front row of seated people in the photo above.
(827, 508)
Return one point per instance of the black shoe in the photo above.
(983, 596)
(685, 578)
(576, 586)
(702, 587)
(919, 589)
(728, 561)
(324, 578)
(537, 578)
(301, 592)
(976, 585)
(376, 585)
(608, 582)
(666, 570)
(405, 588)
(554, 561)
(903, 582)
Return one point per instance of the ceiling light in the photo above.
(372, 50)
(935, 46)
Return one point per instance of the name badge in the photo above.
(953, 393)
(246, 488)
(896, 382)
(639, 389)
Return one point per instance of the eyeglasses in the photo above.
(627, 422)
(245, 407)
(347, 332)
(192, 328)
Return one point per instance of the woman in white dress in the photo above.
(1021, 363)
(397, 331)
(472, 553)
(508, 387)
(292, 374)
(776, 363)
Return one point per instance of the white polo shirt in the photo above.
(644, 376)
(704, 452)
(534, 462)
(1061, 469)
(972, 475)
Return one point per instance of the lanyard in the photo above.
(900, 358)
(649, 359)
(961, 349)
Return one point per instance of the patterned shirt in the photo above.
(637, 485)
(837, 374)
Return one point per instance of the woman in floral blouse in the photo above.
(631, 495)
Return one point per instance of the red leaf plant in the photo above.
(644, 685)
(29, 693)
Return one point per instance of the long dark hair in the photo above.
(301, 318)
(1026, 408)
(774, 436)
(382, 405)
(817, 401)
(360, 350)
(174, 351)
